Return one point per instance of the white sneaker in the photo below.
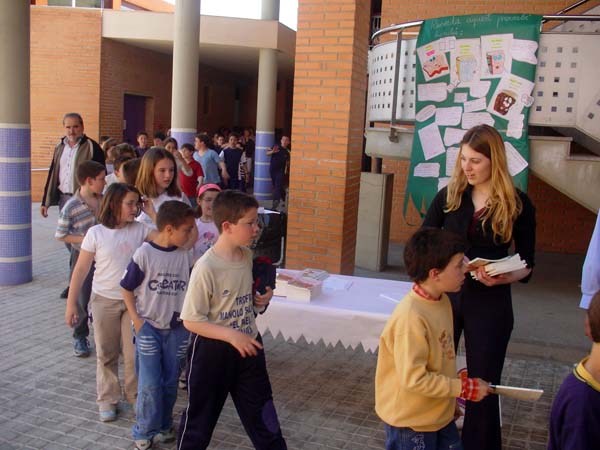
(165, 436)
(142, 444)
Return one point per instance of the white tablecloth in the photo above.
(353, 316)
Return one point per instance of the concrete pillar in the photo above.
(186, 43)
(15, 145)
(265, 109)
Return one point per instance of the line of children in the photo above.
(110, 245)
(74, 220)
(154, 286)
(151, 297)
(415, 382)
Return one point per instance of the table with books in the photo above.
(347, 309)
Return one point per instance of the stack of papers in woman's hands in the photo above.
(498, 266)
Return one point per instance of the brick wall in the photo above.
(65, 77)
(131, 70)
(327, 127)
(558, 216)
(563, 226)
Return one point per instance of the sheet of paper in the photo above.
(451, 156)
(334, 283)
(262, 210)
(496, 59)
(465, 60)
(425, 113)
(478, 88)
(391, 297)
(512, 94)
(516, 163)
(447, 44)
(431, 141)
(469, 120)
(515, 126)
(434, 92)
(524, 50)
(427, 170)
(475, 105)
(453, 136)
(434, 63)
(448, 116)
(443, 182)
(460, 97)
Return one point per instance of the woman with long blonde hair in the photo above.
(482, 205)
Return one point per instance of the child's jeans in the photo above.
(112, 334)
(158, 358)
(407, 439)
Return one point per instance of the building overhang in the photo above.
(226, 43)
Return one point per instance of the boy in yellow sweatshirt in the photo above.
(415, 383)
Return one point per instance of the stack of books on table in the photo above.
(498, 266)
(299, 286)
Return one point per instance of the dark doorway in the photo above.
(134, 117)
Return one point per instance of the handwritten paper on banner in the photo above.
(471, 70)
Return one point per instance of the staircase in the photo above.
(564, 121)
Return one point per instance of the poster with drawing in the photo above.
(496, 55)
(466, 61)
(433, 60)
(471, 70)
(511, 96)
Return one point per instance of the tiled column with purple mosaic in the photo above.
(15, 146)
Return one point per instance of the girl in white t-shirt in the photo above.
(207, 230)
(157, 181)
(110, 245)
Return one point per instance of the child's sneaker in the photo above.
(142, 444)
(81, 348)
(165, 436)
(109, 415)
(182, 382)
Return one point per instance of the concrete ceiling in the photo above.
(228, 44)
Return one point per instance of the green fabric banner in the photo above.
(471, 70)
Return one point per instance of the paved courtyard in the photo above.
(324, 395)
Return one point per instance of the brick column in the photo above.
(330, 84)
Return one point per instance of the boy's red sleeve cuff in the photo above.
(470, 387)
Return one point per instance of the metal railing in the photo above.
(399, 28)
(570, 8)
